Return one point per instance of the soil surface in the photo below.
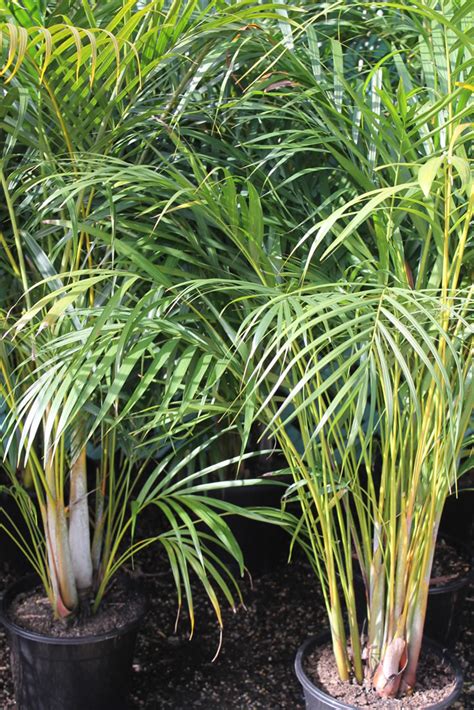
(436, 680)
(119, 608)
(254, 669)
(450, 564)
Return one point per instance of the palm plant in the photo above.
(88, 88)
(378, 381)
(375, 370)
(377, 366)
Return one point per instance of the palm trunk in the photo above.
(418, 621)
(338, 636)
(98, 538)
(59, 556)
(387, 677)
(79, 526)
(376, 601)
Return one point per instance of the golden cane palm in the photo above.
(387, 379)
(91, 88)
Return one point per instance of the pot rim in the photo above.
(331, 702)
(26, 583)
(463, 580)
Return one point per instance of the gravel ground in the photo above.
(255, 666)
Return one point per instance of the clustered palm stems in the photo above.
(245, 216)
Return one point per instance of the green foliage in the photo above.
(230, 215)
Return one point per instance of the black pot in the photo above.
(316, 699)
(49, 673)
(457, 521)
(443, 620)
(264, 545)
(10, 553)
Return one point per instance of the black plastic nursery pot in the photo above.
(263, 545)
(10, 553)
(90, 672)
(446, 600)
(444, 612)
(457, 521)
(316, 699)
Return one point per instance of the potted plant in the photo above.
(65, 296)
(358, 369)
(375, 372)
(375, 369)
